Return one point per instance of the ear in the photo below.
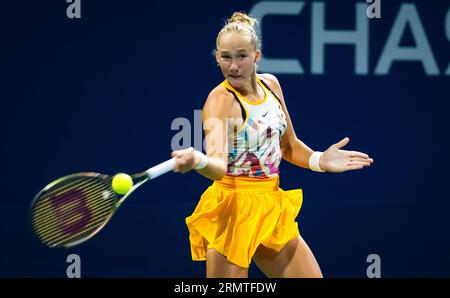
(258, 56)
(216, 55)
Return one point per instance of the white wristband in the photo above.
(314, 162)
(203, 160)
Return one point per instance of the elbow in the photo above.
(221, 172)
(286, 153)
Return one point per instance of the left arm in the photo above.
(298, 153)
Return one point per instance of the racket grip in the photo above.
(160, 169)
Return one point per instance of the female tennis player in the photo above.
(244, 215)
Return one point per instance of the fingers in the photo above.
(359, 164)
(358, 154)
(184, 160)
(354, 167)
(342, 143)
(360, 159)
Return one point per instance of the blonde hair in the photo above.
(241, 23)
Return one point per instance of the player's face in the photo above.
(237, 58)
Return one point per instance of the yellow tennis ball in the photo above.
(121, 183)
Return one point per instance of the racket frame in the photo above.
(147, 175)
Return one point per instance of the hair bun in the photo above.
(241, 23)
(239, 17)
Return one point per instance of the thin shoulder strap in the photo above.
(271, 91)
(243, 112)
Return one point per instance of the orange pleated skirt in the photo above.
(237, 214)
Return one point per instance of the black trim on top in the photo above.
(271, 91)
(243, 112)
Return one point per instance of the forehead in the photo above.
(231, 41)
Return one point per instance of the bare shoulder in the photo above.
(272, 82)
(268, 77)
(219, 102)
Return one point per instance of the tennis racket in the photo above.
(73, 208)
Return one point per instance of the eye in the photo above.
(225, 57)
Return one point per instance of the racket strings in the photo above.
(73, 209)
(60, 230)
(70, 220)
(70, 213)
(87, 231)
(45, 205)
(85, 183)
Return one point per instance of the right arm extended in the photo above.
(217, 109)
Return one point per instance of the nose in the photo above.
(234, 65)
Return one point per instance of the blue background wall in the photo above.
(100, 93)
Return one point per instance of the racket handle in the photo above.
(160, 169)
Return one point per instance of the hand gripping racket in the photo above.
(73, 208)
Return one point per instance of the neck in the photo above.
(250, 88)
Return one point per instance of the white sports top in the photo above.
(254, 149)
